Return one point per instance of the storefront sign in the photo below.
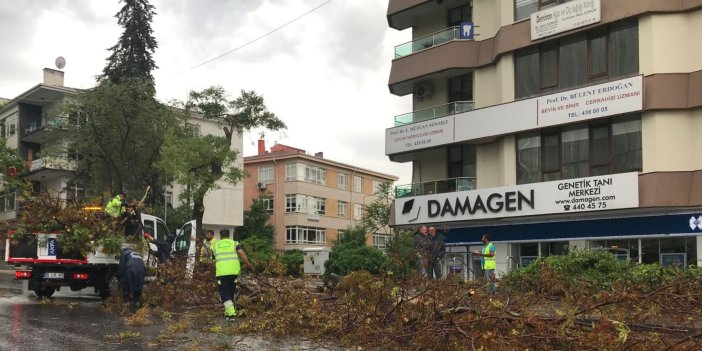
(564, 17)
(597, 101)
(600, 193)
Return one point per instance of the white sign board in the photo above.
(597, 101)
(599, 193)
(564, 17)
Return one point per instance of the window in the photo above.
(576, 60)
(580, 150)
(316, 175)
(358, 212)
(342, 181)
(342, 209)
(524, 8)
(290, 171)
(340, 233)
(169, 197)
(380, 241)
(376, 186)
(265, 174)
(320, 205)
(7, 201)
(299, 203)
(460, 88)
(291, 203)
(305, 235)
(457, 15)
(461, 161)
(358, 184)
(268, 201)
(162, 231)
(74, 191)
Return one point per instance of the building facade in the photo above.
(552, 125)
(311, 199)
(26, 122)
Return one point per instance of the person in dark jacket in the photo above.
(131, 272)
(437, 250)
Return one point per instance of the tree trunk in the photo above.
(198, 214)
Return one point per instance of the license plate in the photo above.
(53, 275)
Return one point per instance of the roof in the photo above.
(41, 94)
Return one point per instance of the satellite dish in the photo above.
(60, 62)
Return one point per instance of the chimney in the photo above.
(261, 146)
(53, 77)
(319, 154)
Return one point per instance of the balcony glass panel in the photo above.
(434, 112)
(435, 187)
(426, 42)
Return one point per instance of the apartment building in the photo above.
(311, 199)
(26, 122)
(552, 125)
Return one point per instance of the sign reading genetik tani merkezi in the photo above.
(564, 17)
(599, 193)
(577, 105)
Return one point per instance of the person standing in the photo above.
(206, 254)
(421, 245)
(227, 254)
(488, 262)
(117, 205)
(131, 272)
(437, 250)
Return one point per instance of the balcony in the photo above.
(451, 108)
(435, 187)
(427, 42)
(37, 132)
(48, 167)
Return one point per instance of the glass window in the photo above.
(343, 181)
(624, 49)
(600, 146)
(358, 184)
(575, 152)
(342, 209)
(528, 159)
(597, 54)
(461, 161)
(549, 67)
(3, 198)
(573, 54)
(626, 146)
(380, 241)
(268, 201)
(290, 171)
(551, 157)
(527, 74)
(358, 212)
(162, 231)
(458, 14)
(524, 8)
(461, 88)
(291, 203)
(305, 235)
(315, 175)
(265, 174)
(320, 205)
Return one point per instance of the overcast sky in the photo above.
(325, 75)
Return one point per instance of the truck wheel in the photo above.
(109, 287)
(44, 291)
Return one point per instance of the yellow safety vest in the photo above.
(226, 259)
(207, 250)
(488, 262)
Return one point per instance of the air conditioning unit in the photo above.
(423, 91)
(261, 185)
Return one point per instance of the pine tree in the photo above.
(132, 56)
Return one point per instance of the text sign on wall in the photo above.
(599, 193)
(597, 101)
(564, 17)
(613, 98)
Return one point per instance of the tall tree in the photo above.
(132, 55)
(256, 222)
(115, 134)
(246, 112)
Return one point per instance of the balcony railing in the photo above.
(451, 108)
(51, 163)
(429, 41)
(435, 187)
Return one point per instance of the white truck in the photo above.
(39, 259)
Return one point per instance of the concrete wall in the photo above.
(492, 15)
(496, 163)
(494, 84)
(661, 34)
(669, 138)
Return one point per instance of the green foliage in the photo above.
(132, 56)
(350, 254)
(292, 260)
(118, 131)
(176, 217)
(376, 215)
(256, 222)
(400, 249)
(259, 251)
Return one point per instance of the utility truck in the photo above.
(39, 259)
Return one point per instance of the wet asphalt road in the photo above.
(67, 321)
(71, 321)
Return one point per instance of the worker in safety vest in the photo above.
(117, 205)
(487, 261)
(206, 254)
(227, 254)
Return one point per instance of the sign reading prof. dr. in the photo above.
(429, 133)
(564, 17)
(563, 196)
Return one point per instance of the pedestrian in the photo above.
(227, 254)
(437, 250)
(487, 261)
(117, 205)
(421, 245)
(206, 255)
(132, 221)
(130, 272)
